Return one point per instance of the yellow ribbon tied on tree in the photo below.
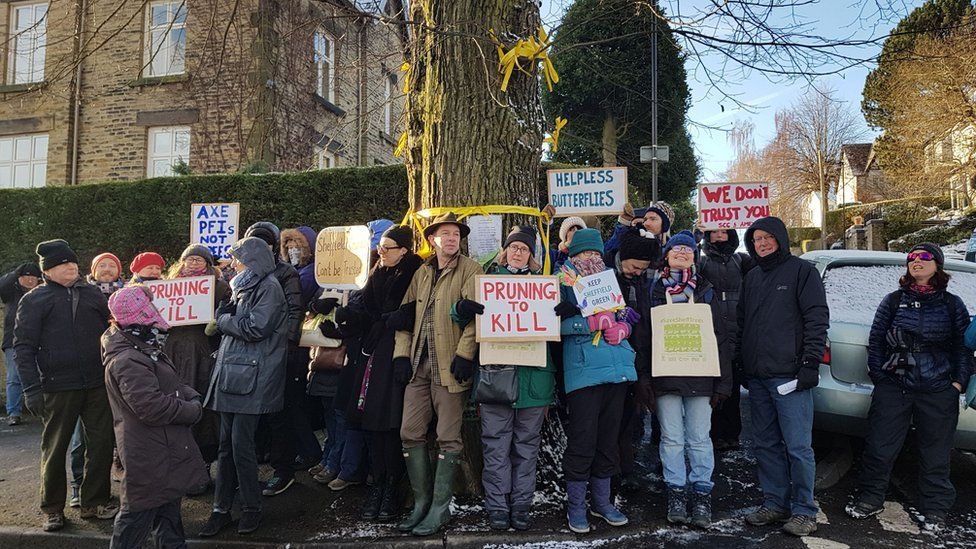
(532, 50)
(401, 145)
(553, 139)
(405, 69)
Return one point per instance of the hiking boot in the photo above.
(100, 512)
(498, 520)
(316, 469)
(418, 470)
(677, 505)
(765, 516)
(801, 525)
(53, 522)
(371, 507)
(13, 421)
(389, 505)
(600, 505)
(325, 476)
(217, 522)
(863, 509)
(521, 517)
(277, 485)
(576, 506)
(701, 509)
(250, 520)
(440, 506)
(339, 484)
(75, 500)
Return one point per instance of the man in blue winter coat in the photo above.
(782, 332)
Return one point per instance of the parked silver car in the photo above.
(856, 282)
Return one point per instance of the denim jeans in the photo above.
(15, 390)
(237, 463)
(685, 423)
(76, 449)
(353, 456)
(335, 422)
(782, 431)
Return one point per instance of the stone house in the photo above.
(951, 160)
(861, 178)
(114, 91)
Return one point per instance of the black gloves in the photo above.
(342, 315)
(644, 395)
(566, 309)
(323, 306)
(403, 318)
(34, 400)
(329, 329)
(717, 400)
(462, 368)
(809, 375)
(467, 309)
(225, 308)
(402, 370)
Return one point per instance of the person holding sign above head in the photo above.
(147, 266)
(653, 222)
(684, 402)
(437, 357)
(247, 380)
(192, 350)
(511, 431)
(598, 367)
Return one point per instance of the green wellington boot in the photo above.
(440, 509)
(418, 470)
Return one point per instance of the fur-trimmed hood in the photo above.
(303, 238)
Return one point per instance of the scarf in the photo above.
(921, 289)
(680, 283)
(771, 260)
(186, 271)
(590, 266)
(147, 334)
(515, 271)
(242, 280)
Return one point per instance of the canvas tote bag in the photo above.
(683, 340)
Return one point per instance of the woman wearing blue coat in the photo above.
(598, 367)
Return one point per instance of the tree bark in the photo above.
(609, 140)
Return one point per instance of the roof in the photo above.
(857, 156)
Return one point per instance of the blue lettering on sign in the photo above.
(216, 228)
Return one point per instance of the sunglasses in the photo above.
(924, 256)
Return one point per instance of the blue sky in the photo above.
(764, 94)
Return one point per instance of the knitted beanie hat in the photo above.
(144, 260)
(569, 223)
(586, 240)
(666, 212)
(523, 234)
(933, 249)
(52, 253)
(635, 246)
(98, 259)
(401, 234)
(133, 305)
(198, 250)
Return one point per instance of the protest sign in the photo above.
(485, 237)
(588, 191)
(342, 257)
(513, 353)
(518, 308)
(184, 301)
(683, 340)
(599, 292)
(215, 226)
(732, 205)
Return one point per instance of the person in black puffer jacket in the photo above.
(781, 336)
(919, 366)
(725, 269)
(13, 286)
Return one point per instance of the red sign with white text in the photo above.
(732, 205)
(518, 308)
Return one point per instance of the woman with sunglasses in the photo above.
(684, 404)
(919, 366)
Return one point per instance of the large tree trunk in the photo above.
(469, 143)
(609, 139)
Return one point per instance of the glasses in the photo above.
(518, 249)
(387, 249)
(924, 256)
(682, 249)
(194, 259)
(756, 239)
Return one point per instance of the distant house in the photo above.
(811, 211)
(952, 160)
(861, 178)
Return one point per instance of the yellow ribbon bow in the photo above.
(554, 138)
(532, 50)
(401, 145)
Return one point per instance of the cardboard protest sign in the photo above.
(184, 301)
(513, 353)
(215, 226)
(588, 191)
(732, 205)
(342, 257)
(518, 308)
(485, 237)
(683, 340)
(599, 292)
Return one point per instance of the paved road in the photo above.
(311, 513)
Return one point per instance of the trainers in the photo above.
(13, 421)
(250, 520)
(100, 512)
(75, 500)
(765, 516)
(800, 525)
(863, 509)
(316, 469)
(277, 485)
(677, 505)
(217, 522)
(498, 520)
(339, 484)
(521, 517)
(701, 509)
(53, 522)
(325, 476)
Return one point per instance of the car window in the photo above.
(854, 291)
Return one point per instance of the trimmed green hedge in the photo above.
(901, 216)
(128, 217)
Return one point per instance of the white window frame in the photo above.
(323, 56)
(324, 158)
(172, 154)
(388, 90)
(164, 59)
(32, 166)
(27, 45)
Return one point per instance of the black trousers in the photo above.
(289, 424)
(631, 431)
(385, 455)
(727, 420)
(592, 433)
(164, 523)
(935, 416)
